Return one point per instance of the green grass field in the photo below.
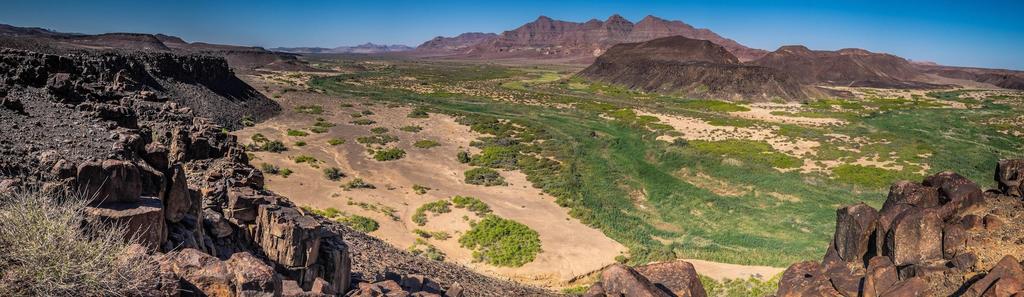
(608, 167)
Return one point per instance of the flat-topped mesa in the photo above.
(928, 239)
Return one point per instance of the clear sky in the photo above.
(964, 33)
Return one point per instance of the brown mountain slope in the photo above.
(547, 38)
(1008, 79)
(845, 67)
(454, 45)
(696, 68)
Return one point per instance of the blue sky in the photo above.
(964, 33)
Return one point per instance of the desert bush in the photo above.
(501, 242)
(285, 172)
(360, 223)
(484, 176)
(472, 204)
(389, 154)
(363, 122)
(437, 207)
(319, 130)
(297, 133)
(463, 157)
(379, 130)
(45, 252)
(429, 251)
(335, 141)
(496, 157)
(273, 146)
(412, 128)
(357, 183)
(749, 287)
(380, 139)
(367, 112)
(425, 144)
(419, 113)
(259, 138)
(248, 121)
(320, 122)
(309, 109)
(420, 190)
(333, 173)
(269, 168)
(300, 143)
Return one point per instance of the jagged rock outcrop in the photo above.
(845, 67)
(694, 68)
(673, 278)
(940, 237)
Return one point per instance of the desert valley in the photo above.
(557, 158)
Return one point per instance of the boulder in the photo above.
(418, 283)
(911, 193)
(954, 240)
(252, 277)
(881, 276)
(201, 272)
(110, 181)
(678, 276)
(805, 279)
(915, 236)
(912, 287)
(855, 226)
(956, 193)
(143, 219)
(1009, 174)
(620, 280)
(216, 224)
(156, 155)
(1008, 268)
(242, 205)
(286, 236)
(179, 199)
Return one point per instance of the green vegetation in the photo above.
(300, 143)
(484, 176)
(319, 130)
(363, 122)
(412, 129)
(269, 168)
(377, 207)
(333, 173)
(357, 183)
(755, 151)
(309, 109)
(380, 139)
(497, 157)
(419, 113)
(422, 248)
(420, 190)
(751, 287)
(437, 207)
(868, 176)
(360, 223)
(501, 242)
(335, 141)
(297, 133)
(463, 157)
(285, 172)
(471, 204)
(425, 144)
(379, 130)
(389, 154)
(261, 143)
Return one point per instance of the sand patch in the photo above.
(763, 112)
(697, 129)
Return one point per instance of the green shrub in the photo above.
(285, 172)
(379, 130)
(425, 144)
(363, 122)
(420, 190)
(389, 154)
(305, 159)
(429, 251)
(269, 168)
(320, 122)
(300, 143)
(360, 223)
(357, 183)
(750, 287)
(757, 151)
(867, 176)
(380, 139)
(496, 157)
(297, 133)
(419, 113)
(472, 204)
(502, 242)
(367, 112)
(463, 157)
(437, 207)
(309, 109)
(273, 146)
(258, 138)
(335, 141)
(45, 251)
(319, 130)
(333, 173)
(484, 176)
(248, 121)
(412, 129)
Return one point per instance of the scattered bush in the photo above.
(419, 113)
(269, 168)
(297, 133)
(497, 157)
(389, 154)
(367, 112)
(360, 223)
(285, 172)
(333, 173)
(420, 190)
(305, 159)
(425, 144)
(363, 122)
(309, 109)
(273, 146)
(472, 204)
(501, 242)
(357, 183)
(335, 141)
(379, 130)
(749, 287)
(484, 176)
(381, 139)
(463, 157)
(430, 251)
(248, 121)
(45, 252)
(300, 143)
(319, 130)
(437, 207)
(412, 129)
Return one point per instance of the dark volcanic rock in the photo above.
(678, 276)
(620, 280)
(1009, 174)
(845, 67)
(696, 68)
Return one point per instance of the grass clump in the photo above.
(44, 251)
(379, 130)
(363, 122)
(309, 109)
(428, 250)
(412, 129)
(285, 172)
(420, 190)
(333, 173)
(867, 176)
(756, 151)
(750, 287)
(419, 113)
(357, 183)
(300, 143)
(425, 144)
(463, 157)
(437, 207)
(262, 143)
(484, 176)
(319, 130)
(335, 141)
(305, 159)
(472, 204)
(269, 168)
(497, 157)
(297, 133)
(389, 154)
(501, 242)
(381, 139)
(360, 223)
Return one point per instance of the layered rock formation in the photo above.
(691, 67)
(366, 48)
(845, 67)
(940, 237)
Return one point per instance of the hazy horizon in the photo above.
(979, 33)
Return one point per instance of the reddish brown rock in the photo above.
(992, 222)
(143, 219)
(620, 280)
(216, 224)
(911, 193)
(202, 272)
(1008, 268)
(954, 240)
(855, 226)
(956, 193)
(913, 287)
(677, 276)
(252, 277)
(805, 279)
(881, 276)
(110, 181)
(915, 236)
(242, 205)
(1009, 174)
(179, 200)
(286, 236)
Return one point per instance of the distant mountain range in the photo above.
(366, 48)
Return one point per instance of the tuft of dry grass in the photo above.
(45, 252)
